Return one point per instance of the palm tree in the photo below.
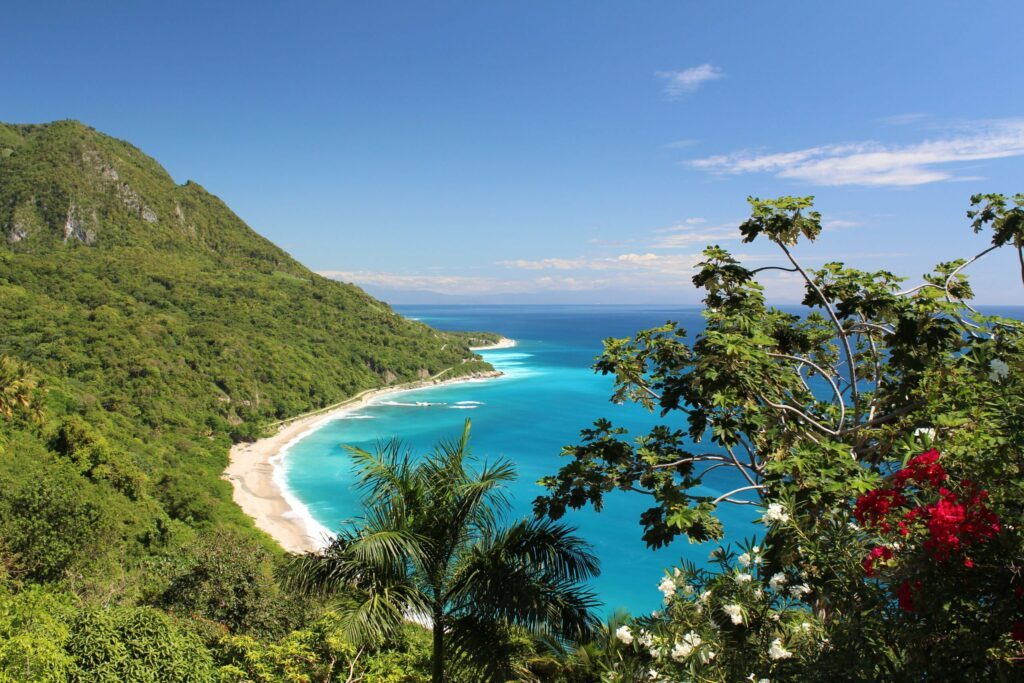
(432, 547)
(17, 388)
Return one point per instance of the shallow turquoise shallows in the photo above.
(548, 394)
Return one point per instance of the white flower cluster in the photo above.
(734, 612)
(776, 651)
(624, 635)
(684, 648)
(998, 370)
(753, 557)
(743, 578)
(777, 582)
(669, 587)
(798, 592)
(775, 513)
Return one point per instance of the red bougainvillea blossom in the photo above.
(952, 523)
(905, 595)
(876, 554)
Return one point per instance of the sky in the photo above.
(570, 152)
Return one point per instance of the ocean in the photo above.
(548, 394)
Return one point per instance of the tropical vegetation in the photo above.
(877, 433)
(880, 431)
(433, 545)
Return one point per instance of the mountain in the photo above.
(161, 328)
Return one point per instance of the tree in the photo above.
(432, 547)
(18, 389)
(813, 412)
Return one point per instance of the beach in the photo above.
(253, 467)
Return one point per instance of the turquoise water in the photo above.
(548, 394)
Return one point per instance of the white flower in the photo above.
(756, 549)
(999, 370)
(734, 612)
(743, 578)
(655, 652)
(706, 656)
(776, 651)
(646, 639)
(687, 589)
(775, 513)
(777, 581)
(683, 649)
(676, 573)
(667, 588)
(925, 431)
(703, 597)
(799, 591)
(624, 635)
(806, 626)
(656, 614)
(653, 674)
(744, 560)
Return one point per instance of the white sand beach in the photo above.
(252, 465)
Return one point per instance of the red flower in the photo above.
(879, 552)
(1017, 633)
(923, 468)
(904, 594)
(873, 507)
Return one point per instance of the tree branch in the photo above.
(725, 496)
(839, 329)
(828, 378)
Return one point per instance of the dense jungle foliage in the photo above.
(144, 328)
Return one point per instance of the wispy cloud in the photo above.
(679, 82)
(903, 119)
(680, 264)
(873, 163)
(693, 233)
(834, 224)
(547, 264)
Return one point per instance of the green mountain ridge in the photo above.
(161, 328)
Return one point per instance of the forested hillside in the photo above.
(143, 328)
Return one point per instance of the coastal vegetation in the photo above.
(433, 545)
(880, 433)
(145, 328)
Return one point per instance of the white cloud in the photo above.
(903, 119)
(691, 233)
(833, 224)
(872, 163)
(679, 82)
(434, 283)
(545, 264)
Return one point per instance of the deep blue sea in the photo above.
(548, 394)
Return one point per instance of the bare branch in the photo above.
(803, 416)
(763, 268)
(909, 408)
(742, 468)
(827, 376)
(839, 328)
(725, 496)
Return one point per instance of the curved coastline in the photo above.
(258, 478)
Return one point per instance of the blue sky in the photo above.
(574, 151)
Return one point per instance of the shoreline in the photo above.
(256, 478)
